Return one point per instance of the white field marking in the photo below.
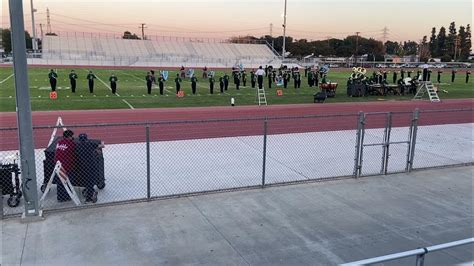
(7, 78)
(129, 105)
(49, 88)
(123, 100)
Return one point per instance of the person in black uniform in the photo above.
(394, 80)
(226, 81)
(453, 75)
(211, 84)
(53, 79)
(285, 79)
(429, 74)
(402, 73)
(385, 75)
(237, 80)
(193, 84)
(439, 76)
(468, 73)
(90, 77)
(113, 83)
(161, 83)
(425, 74)
(177, 81)
(253, 80)
(270, 79)
(149, 82)
(316, 79)
(88, 153)
(244, 78)
(72, 81)
(221, 84)
(298, 79)
(418, 73)
(260, 72)
(310, 77)
(409, 73)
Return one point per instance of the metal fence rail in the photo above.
(143, 161)
(420, 253)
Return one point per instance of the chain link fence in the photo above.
(114, 163)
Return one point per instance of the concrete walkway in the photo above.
(308, 224)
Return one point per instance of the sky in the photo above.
(309, 19)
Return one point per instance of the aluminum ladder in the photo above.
(427, 87)
(261, 98)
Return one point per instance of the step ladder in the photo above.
(261, 98)
(427, 87)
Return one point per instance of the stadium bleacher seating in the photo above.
(90, 50)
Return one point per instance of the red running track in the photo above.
(341, 116)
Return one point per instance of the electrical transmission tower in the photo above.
(48, 22)
(385, 34)
(143, 26)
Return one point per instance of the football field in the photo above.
(132, 94)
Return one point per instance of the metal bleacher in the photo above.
(115, 51)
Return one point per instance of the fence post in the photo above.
(265, 124)
(386, 144)
(412, 140)
(359, 144)
(148, 162)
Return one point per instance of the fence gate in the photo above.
(385, 143)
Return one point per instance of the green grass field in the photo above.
(132, 90)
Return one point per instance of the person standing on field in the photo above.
(72, 81)
(113, 83)
(53, 79)
(90, 77)
(149, 82)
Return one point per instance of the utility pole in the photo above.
(284, 34)
(48, 22)
(23, 110)
(143, 30)
(41, 30)
(271, 35)
(357, 47)
(34, 40)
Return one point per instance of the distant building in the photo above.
(2, 51)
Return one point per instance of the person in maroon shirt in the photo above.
(65, 153)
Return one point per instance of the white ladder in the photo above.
(261, 98)
(427, 87)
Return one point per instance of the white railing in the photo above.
(419, 253)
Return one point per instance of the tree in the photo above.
(466, 43)
(410, 48)
(130, 36)
(391, 47)
(7, 41)
(441, 51)
(451, 39)
(433, 45)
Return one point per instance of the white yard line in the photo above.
(7, 78)
(123, 100)
(129, 105)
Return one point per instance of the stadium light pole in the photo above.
(34, 41)
(284, 34)
(23, 109)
